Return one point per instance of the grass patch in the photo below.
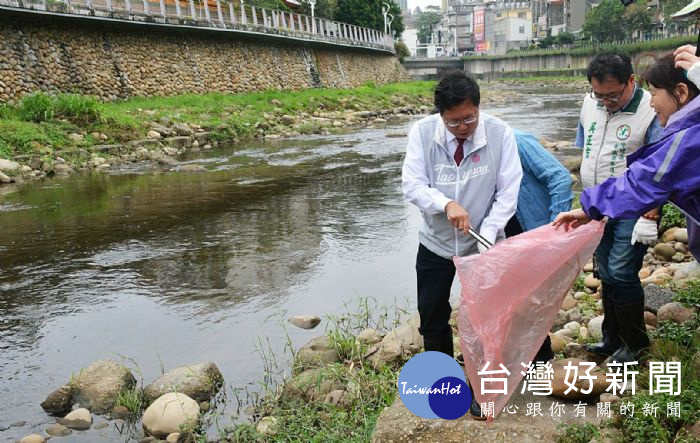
(577, 433)
(671, 217)
(131, 399)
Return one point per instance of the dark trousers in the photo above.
(434, 275)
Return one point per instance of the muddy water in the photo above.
(160, 268)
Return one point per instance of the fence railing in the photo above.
(215, 14)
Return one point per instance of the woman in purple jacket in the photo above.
(668, 170)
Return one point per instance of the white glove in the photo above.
(645, 232)
(489, 237)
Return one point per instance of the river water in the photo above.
(158, 269)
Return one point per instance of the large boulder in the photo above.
(172, 412)
(316, 353)
(674, 312)
(97, 387)
(687, 271)
(402, 341)
(597, 386)
(200, 382)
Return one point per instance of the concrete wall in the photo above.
(118, 62)
(537, 64)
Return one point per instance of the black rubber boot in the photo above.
(442, 344)
(545, 352)
(611, 335)
(630, 315)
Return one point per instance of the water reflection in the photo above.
(170, 268)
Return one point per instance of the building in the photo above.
(403, 4)
(512, 27)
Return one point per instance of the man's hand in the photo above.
(685, 57)
(572, 219)
(645, 232)
(457, 216)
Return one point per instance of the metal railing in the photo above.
(214, 14)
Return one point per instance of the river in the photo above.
(158, 268)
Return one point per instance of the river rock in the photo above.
(678, 257)
(267, 426)
(650, 318)
(59, 400)
(369, 337)
(312, 385)
(668, 235)
(568, 303)
(591, 282)
(316, 353)
(8, 165)
(595, 327)
(191, 168)
(664, 251)
(182, 129)
(172, 412)
(79, 419)
(62, 169)
(609, 398)
(403, 340)
(574, 327)
(178, 142)
(558, 343)
(583, 333)
(33, 438)
(58, 430)
(656, 296)
(588, 267)
(199, 382)
(598, 384)
(681, 235)
(675, 312)
(173, 438)
(4, 178)
(644, 273)
(98, 386)
(153, 135)
(575, 350)
(305, 321)
(687, 271)
(120, 412)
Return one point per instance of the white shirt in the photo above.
(416, 183)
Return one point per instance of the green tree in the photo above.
(324, 8)
(637, 18)
(565, 38)
(269, 4)
(368, 14)
(604, 23)
(426, 21)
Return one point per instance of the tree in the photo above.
(269, 4)
(426, 22)
(637, 18)
(565, 38)
(604, 23)
(368, 14)
(324, 8)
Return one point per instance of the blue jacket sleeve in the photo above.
(548, 170)
(579, 136)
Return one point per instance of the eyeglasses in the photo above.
(608, 97)
(466, 121)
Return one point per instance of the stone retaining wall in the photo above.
(117, 63)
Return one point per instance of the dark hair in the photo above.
(610, 64)
(455, 88)
(663, 74)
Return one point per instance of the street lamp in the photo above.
(312, 3)
(388, 18)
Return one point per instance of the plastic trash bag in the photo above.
(511, 295)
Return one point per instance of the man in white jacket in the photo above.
(461, 170)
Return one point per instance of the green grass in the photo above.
(131, 399)
(577, 433)
(40, 124)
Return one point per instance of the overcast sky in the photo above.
(422, 3)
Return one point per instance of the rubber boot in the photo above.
(475, 408)
(610, 328)
(630, 316)
(545, 352)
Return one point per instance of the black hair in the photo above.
(663, 74)
(610, 64)
(455, 88)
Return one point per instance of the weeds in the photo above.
(577, 433)
(672, 217)
(131, 399)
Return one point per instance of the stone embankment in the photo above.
(116, 63)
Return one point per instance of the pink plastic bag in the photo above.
(510, 298)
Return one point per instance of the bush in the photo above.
(401, 50)
(77, 108)
(36, 107)
(672, 217)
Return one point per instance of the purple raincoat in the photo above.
(666, 170)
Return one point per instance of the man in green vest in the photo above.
(616, 119)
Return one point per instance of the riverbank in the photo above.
(59, 135)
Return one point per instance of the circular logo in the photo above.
(476, 158)
(433, 385)
(623, 132)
